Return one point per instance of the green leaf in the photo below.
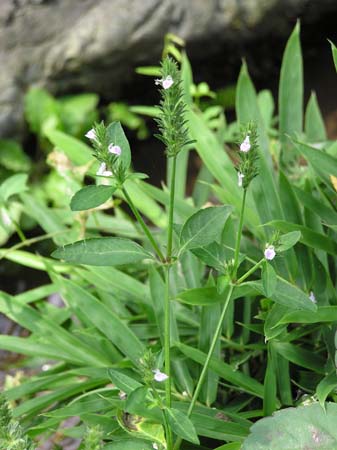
(287, 241)
(78, 152)
(136, 399)
(39, 106)
(301, 428)
(266, 198)
(90, 197)
(308, 237)
(291, 92)
(323, 163)
(269, 279)
(316, 205)
(324, 314)
(230, 446)
(116, 136)
(123, 381)
(181, 425)
(327, 385)
(300, 356)
(227, 372)
(286, 294)
(102, 318)
(201, 296)
(204, 227)
(334, 53)
(270, 385)
(13, 185)
(129, 444)
(266, 105)
(13, 157)
(104, 251)
(314, 124)
(214, 255)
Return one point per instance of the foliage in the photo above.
(183, 327)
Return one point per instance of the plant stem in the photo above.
(250, 271)
(168, 433)
(167, 307)
(238, 237)
(143, 224)
(171, 209)
(221, 319)
(208, 359)
(167, 337)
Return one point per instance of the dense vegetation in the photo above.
(187, 320)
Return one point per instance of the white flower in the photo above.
(91, 134)
(185, 394)
(5, 217)
(103, 172)
(159, 376)
(269, 252)
(240, 178)
(122, 395)
(155, 446)
(312, 297)
(245, 146)
(114, 149)
(166, 83)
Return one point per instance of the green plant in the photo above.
(235, 302)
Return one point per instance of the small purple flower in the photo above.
(103, 172)
(245, 146)
(312, 297)
(240, 179)
(91, 134)
(159, 376)
(166, 83)
(269, 252)
(114, 149)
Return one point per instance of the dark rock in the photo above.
(94, 45)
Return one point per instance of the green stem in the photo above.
(250, 271)
(167, 307)
(208, 359)
(171, 209)
(19, 231)
(143, 224)
(168, 433)
(239, 235)
(167, 337)
(6, 251)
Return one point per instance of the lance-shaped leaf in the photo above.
(117, 136)
(90, 197)
(105, 251)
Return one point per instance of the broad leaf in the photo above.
(103, 251)
(90, 197)
(201, 296)
(288, 240)
(301, 428)
(204, 227)
(286, 294)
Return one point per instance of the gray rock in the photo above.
(94, 45)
